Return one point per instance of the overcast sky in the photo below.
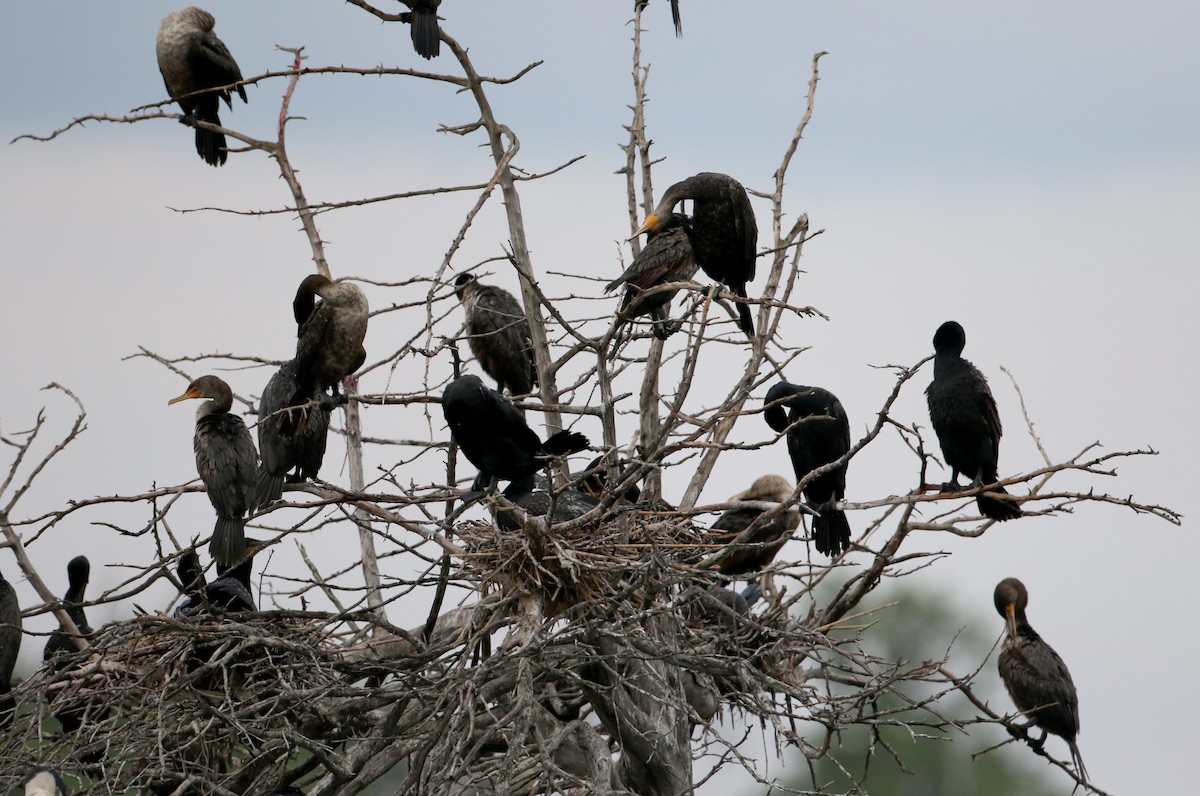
(1028, 169)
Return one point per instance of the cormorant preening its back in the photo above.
(724, 232)
(227, 464)
(330, 335)
(674, 13)
(43, 781)
(494, 436)
(10, 645)
(284, 446)
(422, 20)
(79, 570)
(821, 436)
(758, 550)
(191, 58)
(498, 334)
(967, 423)
(1036, 678)
(667, 257)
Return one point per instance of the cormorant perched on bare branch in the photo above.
(43, 781)
(641, 4)
(818, 432)
(285, 446)
(667, 257)
(494, 436)
(79, 570)
(227, 464)
(192, 59)
(1036, 678)
(724, 232)
(10, 645)
(422, 20)
(755, 552)
(967, 423)
(498, 334)
(330, 335)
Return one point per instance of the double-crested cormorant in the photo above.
(227, 464)
(422, 19)
(43, 781)
(758, 550)
(191, 577)
(641, 4)
(568, 504)
(498, 334)
(966, 421)
(593, 480)
(1036, 678)
(724, 232)
(10, 645)
(191, 58)
(231, 591)
(79, 570)
(494, 436)
(666, 257)
(818, 432)
(285, 446)
(330, 335)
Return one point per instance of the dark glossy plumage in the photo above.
(755, 552)
(191, 58)
(227, 464)
(822, 437)
(191, 576)
(43, 781)
(595, 480)
(422, 20)
(79, 570)
(967, 423)
(666, 257)
(286, 446)
(674, 13)
(498, 334)
(329, 345)
(1036, 678)
(10, 646)
(724, 232)
(494, 436)
(568, 504)
(231, 591)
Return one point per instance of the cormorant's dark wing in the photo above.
(666, 257)
(500, 338)
(1035, 675)
(212, 65)
(312, 336)
(987, 409)
(227, 463)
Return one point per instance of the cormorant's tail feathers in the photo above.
(425, 38)
(831, 532)
(268, 488)
(745, 319)
(210, 145)
(1078, 760)
(999, 509)
(228, 545)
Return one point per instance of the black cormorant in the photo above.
(422, 19)
(594, 480)
(330, 335)
(231, 591)
(285, 446)
(674, 13)
(757, 551)
(568, 504)
(10, 645)
(724, 232)
(498, 334)
(967, 423)
(821, 436)
(227, 464)
(43, 781)
(191, 577)
(494, 436)
(666, 257)
(191, 58)
(79, 570)
(1036, 678)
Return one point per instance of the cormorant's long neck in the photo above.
(947, 362)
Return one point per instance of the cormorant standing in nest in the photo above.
(498, 334)
(79, 570)
(593, 480)
(231, 591)
(755, 552)
(10, 645)
(667, 257)
(818, 432)
(192, 59)
(191, 577)
(227, 464)
(494, 436)
(284, 446)
(641, 4)
(330, 335)
(43, 781)
(422, 19)
(724, 232)
(967, 423)
(1036, 678)
(568, 504)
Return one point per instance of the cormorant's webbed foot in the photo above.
(483, 485)
(188, 120)
(950, 486)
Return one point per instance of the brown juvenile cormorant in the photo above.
(757, 551)
(498, 334)
(641, 4)
(818, 432)
(330, 335)
(10, 645)
(724, 232)
(79, 570)
(284, 446)
(1036, 678)
(967, 423)
(422, 20)
(494, 436)
(227, 464)
(666, 257)
(43, 781)
(191, 58)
